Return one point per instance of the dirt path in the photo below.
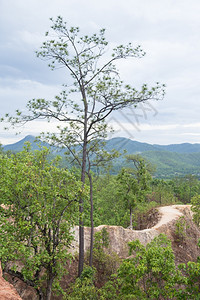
(169, 213)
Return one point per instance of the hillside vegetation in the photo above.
(169, 160)
(41, 199)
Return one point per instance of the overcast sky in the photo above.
(169, 32)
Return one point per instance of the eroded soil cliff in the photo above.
(175, 221)
(7, 291)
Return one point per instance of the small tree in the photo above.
(196, 209)
(186, 187)
(93, 91)
(151, 273)
(128, 191)
(162, 191)
(38, 209)
(109, 208)
(191, 271)
(141, 169)
(134, 183)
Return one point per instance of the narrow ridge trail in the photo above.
(119, 236)
(169, 214)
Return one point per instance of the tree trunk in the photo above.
(91, 220)
(83, 172)
(81, 239)
(81, 223)
(131, 221)
(49, 286)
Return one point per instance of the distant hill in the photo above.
(18, 146)
(128, 145)
(170, 160)
(169, 164)
(180, 148)
(138, 147)
(35, 144)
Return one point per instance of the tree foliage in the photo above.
(133, 183)
(38, 209)
(186, 187)
(151, 273)
(163, 191)
(196, 209)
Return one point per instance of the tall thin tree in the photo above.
(92, 92)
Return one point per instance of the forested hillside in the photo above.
(169, 160)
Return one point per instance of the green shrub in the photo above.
(180, 229)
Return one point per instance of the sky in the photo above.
(168, 31)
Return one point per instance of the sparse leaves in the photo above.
(92, 91)
(96, 89)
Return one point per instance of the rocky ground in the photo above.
(7, 291)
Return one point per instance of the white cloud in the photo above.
(14, 94)
(167, 30)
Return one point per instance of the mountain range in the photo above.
(170, 160)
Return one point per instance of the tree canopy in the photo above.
(38, 210)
